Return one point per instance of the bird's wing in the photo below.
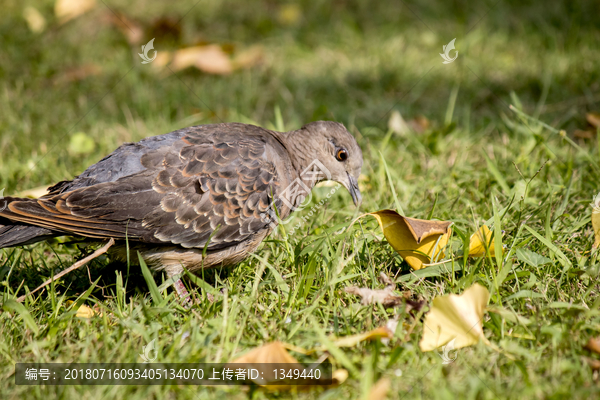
(207, 179)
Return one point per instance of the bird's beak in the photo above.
(354, 191)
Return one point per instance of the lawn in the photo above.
(498, 136)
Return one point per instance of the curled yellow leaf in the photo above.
(456, 318)
(479, 241)
(416, 240)
(85, 312)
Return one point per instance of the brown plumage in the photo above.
(213, 186)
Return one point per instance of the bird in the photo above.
(198, 197)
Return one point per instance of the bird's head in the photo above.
(335, 148)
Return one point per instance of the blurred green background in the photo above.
(350, 61)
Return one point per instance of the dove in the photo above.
(199, 197)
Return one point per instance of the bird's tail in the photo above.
(14, 233)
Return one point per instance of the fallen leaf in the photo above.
(260, 358)
(34, 193)
(419, 124)
(386, 296)
(35, 20)
(596, 220)
(66, 10)
(415, 240)
(78, 73)
(580, 134)
(249, 57)
(339, 376)
(455, 317)
(85, 312)
(383, 332)
(593, 119)
(397, 124)
(273, 352)
(210, 59)
(380, 389)
(594, 364)
(593, 345)
(479, 241)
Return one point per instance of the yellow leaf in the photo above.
(455, 317)
(414, 239)
(35, 20)
(69, 9)
(273, 352)
(350, 341)
(380, 389)
(596, 220)
(262, 358)
(85, 312)
(210, 59)
(479, 241)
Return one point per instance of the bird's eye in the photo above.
(341, 155)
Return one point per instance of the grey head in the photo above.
(334, 147)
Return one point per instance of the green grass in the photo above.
(351, 62)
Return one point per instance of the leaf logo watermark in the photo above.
(446, 54)
(448, 358)
(148, 349)
(3, 203)
(145, 49)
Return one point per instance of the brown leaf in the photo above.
(210, 59)
(66, 10)
(249, 57)
(593, 345)
(416, 240)
(579, 134)
(419, 124)
(380, 389)
(386, 296)
(273, 352)
(593, 119)
(77, 73)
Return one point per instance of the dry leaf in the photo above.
(249, 57)
(380, 389)
(479, 241)
(261, 357)
(386, 296)
(419, 124)
(580, 134)
(397, 124)
(35, 20)
(35, 192)
(383, 332)
(593, 119)
(339, 376)
(593, 345)
(78, 73)
(85, 312)
(414, 239)
(596, 220)
(210, 59)
(66, 10)
(457, 318)
(594, 364)
(273, 352)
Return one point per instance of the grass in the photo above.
(355, 63)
